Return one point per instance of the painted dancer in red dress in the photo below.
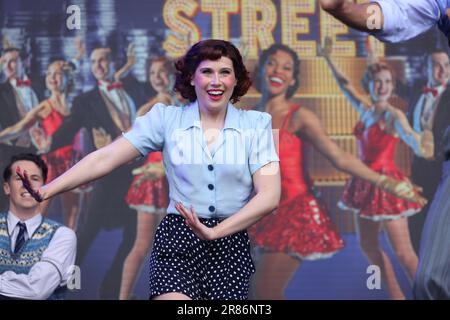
(378, 130)
(148, 193)
(300, 229)
(49, 116)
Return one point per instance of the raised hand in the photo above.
(6, 137)
(372, 57)
(427, 144)
(131, 55)
(80, 48)
(131, 60)
(192, 221)
(325, 51)
(40, 140)
(402, 189)
(27, 185)
(327, 47)
(151, 171)
(101, 138)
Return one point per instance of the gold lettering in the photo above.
(259, 18)
(184, 32)
(220, 9)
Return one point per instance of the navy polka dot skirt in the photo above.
(203, 270)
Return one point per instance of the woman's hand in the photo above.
(80, 48)
(427, 144)
(40, 140)
(5, 137)
(101, 137)
(38, 195)
(192, 221)
(402, 189)
(164, 98)
(151, 171)
(327, 48)
(325, 51)
(372, 57)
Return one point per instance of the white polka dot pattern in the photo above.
(203, 270)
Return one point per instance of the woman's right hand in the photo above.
(40, 194)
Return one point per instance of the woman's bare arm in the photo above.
(94, 166)
(17, 129)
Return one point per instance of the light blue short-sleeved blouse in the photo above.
(217, 183)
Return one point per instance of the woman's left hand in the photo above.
(151, 171)
(402, 188)
(192, 221)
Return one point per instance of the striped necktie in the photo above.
(20, 240)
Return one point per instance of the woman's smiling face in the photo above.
(278, 73)
(214, 82)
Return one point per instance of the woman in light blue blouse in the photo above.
(222, 170)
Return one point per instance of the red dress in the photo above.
(151, 196)
(300, 226)
(376, 149)
(60, 160)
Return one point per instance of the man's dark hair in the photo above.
(7, 173)
(101, 46)
(10, 49)
(435, 51)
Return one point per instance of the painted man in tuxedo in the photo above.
(105, 111)
(17, 97)
(398, 21)
(429, 109)
(432, 277)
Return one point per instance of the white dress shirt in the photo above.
(26, 95)
(52, 271)
(405, 19)
(425, 109)
(121, 100)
